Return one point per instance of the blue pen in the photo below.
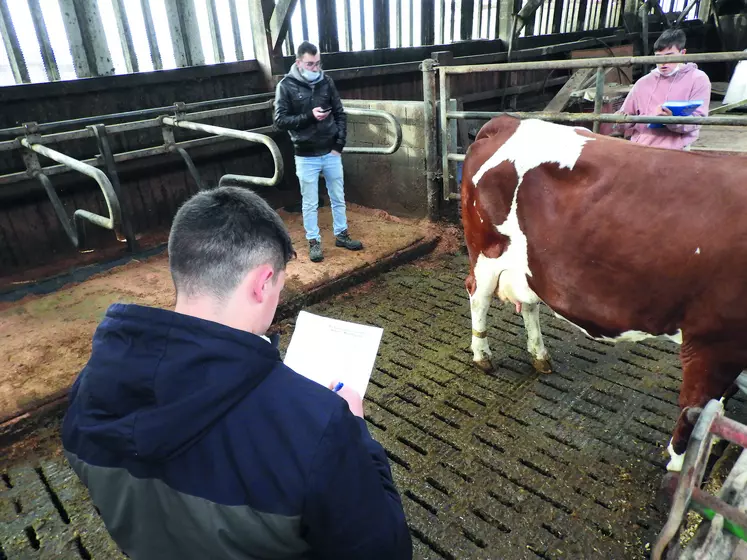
(338, 387)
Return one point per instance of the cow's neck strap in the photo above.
(479, 334)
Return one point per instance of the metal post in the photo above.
(50, 64)
(431, 137)
(598, 97)
(443, 79)
(150, 32)
(102, 138)
(645, 9)
(170, 143)
(12, 46)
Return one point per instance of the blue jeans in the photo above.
(308, 170)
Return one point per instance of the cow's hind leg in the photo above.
(707, 373)
(535, 344)
(480, 286)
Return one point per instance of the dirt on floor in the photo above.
(45, 340)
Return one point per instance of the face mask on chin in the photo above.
(673, 72)
(309, 75)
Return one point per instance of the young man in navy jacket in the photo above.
(193, 438)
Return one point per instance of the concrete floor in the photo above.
(507, 465)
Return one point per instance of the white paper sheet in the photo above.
(324, 349)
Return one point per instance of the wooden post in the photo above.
(215, 31)
(468, 17)
(328, 36)
(85, 34)
(381, 24)
(185, 32)
(506, 11)
(279, 20)
(236, 28)
(12, 46)
(123, 27)
(150, 33)
(50, 64)
(266, 26)
(428, 22)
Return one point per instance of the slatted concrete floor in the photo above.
(507, 465)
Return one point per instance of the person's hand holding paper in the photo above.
(326, 350)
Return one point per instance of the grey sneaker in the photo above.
(315, 250)
(344, 240)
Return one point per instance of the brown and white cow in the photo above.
(626, 242)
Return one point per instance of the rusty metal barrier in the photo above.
(446, 114)
(76, 231)
(391, 119)
(277, 158)
(119, 220)
(684, 488)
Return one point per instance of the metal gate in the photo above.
(442, 114)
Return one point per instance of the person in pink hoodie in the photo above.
(667, 82)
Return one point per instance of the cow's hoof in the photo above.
(542, 365)
(484, 364)
(675, 461)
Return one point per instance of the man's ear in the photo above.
(261, 277)
(683, 51)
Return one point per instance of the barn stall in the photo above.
(106, 133)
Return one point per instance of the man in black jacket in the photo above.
(308, 106)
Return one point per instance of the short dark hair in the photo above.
(306, 48)
(670, 38)
(221, 234)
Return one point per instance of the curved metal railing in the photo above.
(76, 230)
(239, 135)
(391, 119)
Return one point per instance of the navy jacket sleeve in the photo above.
(284, 119)
(338, 113)
(353, 509)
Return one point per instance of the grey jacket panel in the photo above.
(171, 525)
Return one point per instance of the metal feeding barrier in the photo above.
(446, 106)
(31, 142)
(685, 492)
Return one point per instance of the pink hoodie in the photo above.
(686, 84)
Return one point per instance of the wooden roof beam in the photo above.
(280, 21)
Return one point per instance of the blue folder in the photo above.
(679, 109)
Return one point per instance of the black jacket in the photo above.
(295, 98)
